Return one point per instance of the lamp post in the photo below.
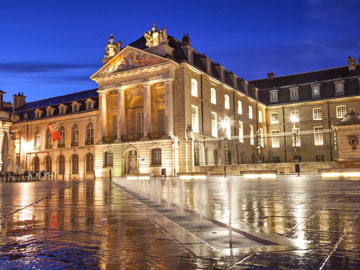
(224, 125)
(258, 137)
(294, 119)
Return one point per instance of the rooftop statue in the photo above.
(112, 48)
(155, 37)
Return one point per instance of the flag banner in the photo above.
(54, 130)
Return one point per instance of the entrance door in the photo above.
(132, 167)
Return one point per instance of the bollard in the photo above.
(297, 169)
(110, 174)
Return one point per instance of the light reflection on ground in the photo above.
(92, 225)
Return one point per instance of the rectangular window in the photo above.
(214, 127)
(194, 88)
(161, 120)
(296, 137)
(295, 116)
(317, 114)
(315, 90)
(227, 127)
(294, 93)
(195, 118)
(273, 96)
(241, 132)
(239, 107)
(275, 139)
(339, 88)
(251, 134)
(139, 122)
(274, 118)
(250, 113)
(227, 102)
(340, 111)
(260, 116)
(318, 135)
(261, 134)
(213, 96)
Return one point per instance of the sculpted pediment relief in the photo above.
(127, 60)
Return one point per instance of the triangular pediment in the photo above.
(128, 59)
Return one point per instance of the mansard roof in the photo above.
(81, 97)
(307, 77)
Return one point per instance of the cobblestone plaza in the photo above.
(285, 223)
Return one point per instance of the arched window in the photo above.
(75, 135)
(260, 116)
(37, 139)
(61, 164)
(89, 163)
(216, 159)
(74, 164)
(49, 139)
(90, 134)
(108, 158)
(36, 164)
(156, 156)
(48, 164)
(62, 137)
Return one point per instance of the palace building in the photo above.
(161, 104)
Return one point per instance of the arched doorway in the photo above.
(131, 165)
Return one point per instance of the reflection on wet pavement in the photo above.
(96, 225)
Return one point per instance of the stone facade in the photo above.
(161, 104)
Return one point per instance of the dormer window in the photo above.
(294, 93)
(62, 109)
(49, 111)
(75, 106)
(315, 90)
(339, 88)
(89, 104)
(274, 96)
(38, 113)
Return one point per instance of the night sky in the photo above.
(51, 48)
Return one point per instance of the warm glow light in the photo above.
(131, 178)
(223, 124)
(262, 176)
(195, 177)
(268, 175)
(334, 174)
(144, 177)
(293, 118)
(351, 174)
(251, 176)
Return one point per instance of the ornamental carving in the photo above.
(131, 60)
(111, 49)
(155, 37)
(353, 141)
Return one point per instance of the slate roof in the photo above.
(303, 81)
(30, 107)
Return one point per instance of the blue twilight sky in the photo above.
(50, 48)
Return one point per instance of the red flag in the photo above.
(54, 130)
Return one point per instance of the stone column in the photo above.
(102, 116)
(169, 126)
(121, 125)
(147, 109)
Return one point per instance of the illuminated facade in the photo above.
(161, 104)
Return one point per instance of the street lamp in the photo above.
(225, 126)
(294, 119)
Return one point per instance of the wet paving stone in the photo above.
(97, 225)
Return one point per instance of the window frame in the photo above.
(195, 125)
(317, 113)
(213, 95)
(226, 101)
(194, 88)
(337, 111)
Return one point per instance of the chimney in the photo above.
(271, 76)
(352, 63)
(188, 51)
(186, 39)
(221, 70)
(207, 62)
(18, 101)
(234, 79)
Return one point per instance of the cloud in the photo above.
(28, 67)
